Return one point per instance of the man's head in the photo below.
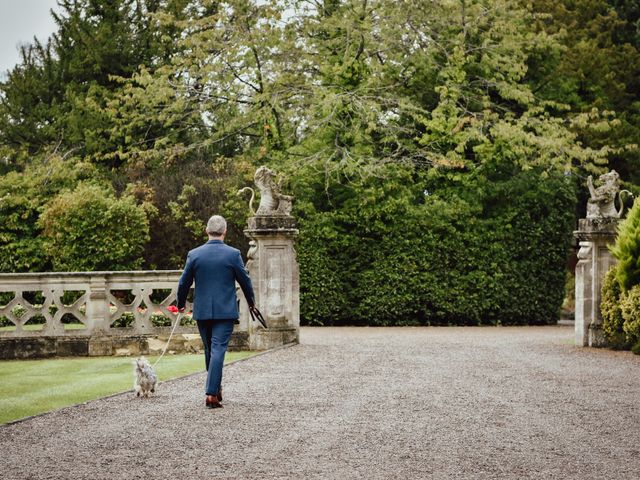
(216, 227)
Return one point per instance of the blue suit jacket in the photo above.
(215, 267)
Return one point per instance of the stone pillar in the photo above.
(274, 273)
(594, 261)
(98, 315)
(97, 312)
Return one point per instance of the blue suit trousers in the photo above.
(215, 336)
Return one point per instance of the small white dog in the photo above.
(145, 378)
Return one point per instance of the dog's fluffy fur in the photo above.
(145, 378)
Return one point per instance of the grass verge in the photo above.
(30, 387)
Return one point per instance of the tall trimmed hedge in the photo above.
(409, 251)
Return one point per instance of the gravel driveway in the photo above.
(362, 403)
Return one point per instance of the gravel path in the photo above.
(362, 403)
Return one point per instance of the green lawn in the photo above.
(29, 387)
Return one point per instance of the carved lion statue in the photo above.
(602, 201)
(272, 201)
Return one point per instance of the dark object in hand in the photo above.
(255, 314)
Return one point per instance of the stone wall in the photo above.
(21, 348)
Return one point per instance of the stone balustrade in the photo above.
(91, 313)
(87, 303)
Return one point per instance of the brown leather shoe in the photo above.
(212, 402)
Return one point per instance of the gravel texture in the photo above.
(362, 403)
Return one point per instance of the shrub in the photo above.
(612, 320)
(184, 198)
(161, 320)
(569, 302)
(630, 309)
(22, 198)
(627, 249)
(621, 295)
(90, 229)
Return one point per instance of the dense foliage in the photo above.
(630, 307)
(23, 196)
(89, 229)
(627, 250)
(621, 314)
(425, 255)
(621, 291)
(435, 151)
(612, 319)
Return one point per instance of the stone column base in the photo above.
(596, 337)
(100, 347)
(274, 337)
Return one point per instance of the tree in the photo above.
(629, 12)
(30, 103)
(347, 85)
(219, 95)
(596, 70)
(58, 93)
(473, 113)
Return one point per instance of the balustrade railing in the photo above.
(90, 304)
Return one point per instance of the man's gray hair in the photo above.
(216, 226)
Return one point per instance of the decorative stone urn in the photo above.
(595, 233)
(272, 265)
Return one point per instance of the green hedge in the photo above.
(620, 305)
(612, 320)
(408, 251)
(627, 249)
(620, 313)
(23, 197)
(89, 229)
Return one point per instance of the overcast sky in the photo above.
(20, 21)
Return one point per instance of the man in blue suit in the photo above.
(215, 267)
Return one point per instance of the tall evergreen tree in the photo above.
(30, 105)
(55, 97)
